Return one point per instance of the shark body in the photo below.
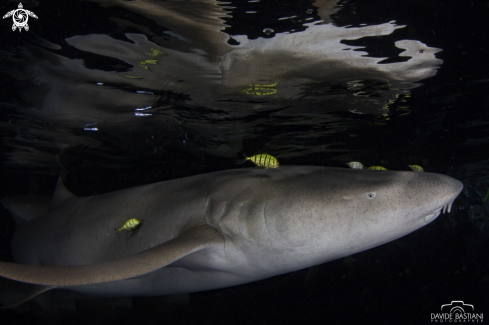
(220, 229)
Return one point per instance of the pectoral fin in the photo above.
(194, 240)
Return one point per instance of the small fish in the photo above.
(264, 85)
(376, 168)
(149, 62)
(154, 52)
(259, 89)
(416, 168)
(143, 64)
(264, 160)
(355, 165)
(130, 224)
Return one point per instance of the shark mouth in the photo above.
(446, 208)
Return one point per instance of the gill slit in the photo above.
(206, 208)
(224, 234)
(239, 223)
(266, 223)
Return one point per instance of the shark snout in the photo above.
(447, 190)
(453, 189)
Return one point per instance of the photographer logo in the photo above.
(20, 16)
(457, 312)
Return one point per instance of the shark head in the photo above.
(338, 212)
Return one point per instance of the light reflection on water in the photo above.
(194, 88)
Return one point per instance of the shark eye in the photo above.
(371, 195)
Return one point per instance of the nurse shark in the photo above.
(219, 229)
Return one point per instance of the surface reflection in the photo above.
(193, 87)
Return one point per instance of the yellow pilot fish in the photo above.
(359, 165)
(376, 168)
(264, 160)
(259, 89)
(155, 52)
(416, 168)
(355, 165)
(130, 224)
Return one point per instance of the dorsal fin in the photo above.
(61, 193)
(24, 208)
(194, 240)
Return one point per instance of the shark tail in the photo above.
(23, 209)
(14, 293)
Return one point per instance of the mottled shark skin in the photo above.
(221, 229)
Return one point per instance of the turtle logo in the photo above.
(20, 17)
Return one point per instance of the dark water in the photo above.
(124, 93)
